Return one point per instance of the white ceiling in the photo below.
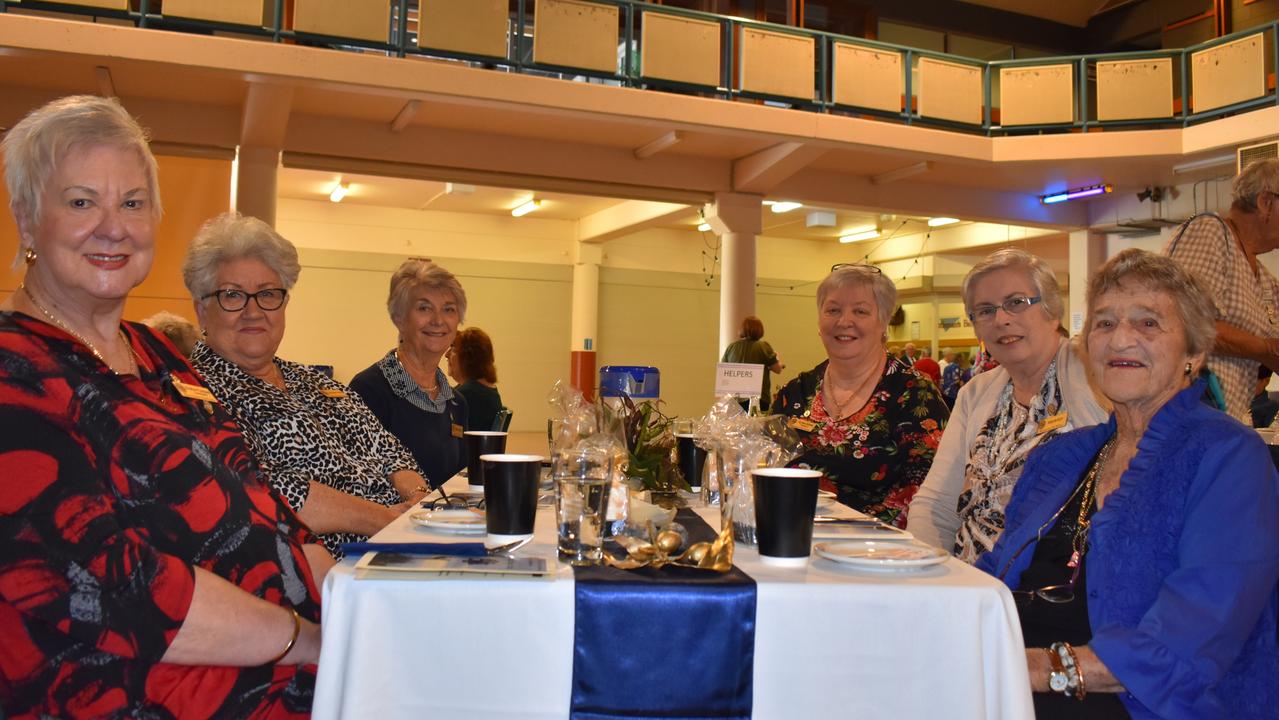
(410, 194)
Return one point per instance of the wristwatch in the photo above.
(1058, 680)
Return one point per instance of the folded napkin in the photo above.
(356, 549)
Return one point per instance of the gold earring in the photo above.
(30, 256)
(1189, 368)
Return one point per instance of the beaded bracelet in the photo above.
(297, 630)
(1074, 676)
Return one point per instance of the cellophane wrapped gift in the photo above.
(739, 443)
(578, 426)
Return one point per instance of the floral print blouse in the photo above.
(875, 459)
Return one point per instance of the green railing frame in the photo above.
(632, 11)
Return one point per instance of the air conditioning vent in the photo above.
(1250, 154)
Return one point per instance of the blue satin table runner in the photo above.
(668, 643)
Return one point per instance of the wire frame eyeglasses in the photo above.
(237, 300)
(1012, 306)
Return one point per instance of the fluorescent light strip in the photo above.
(941, 221)
(339, 191)
(704, 227)
(786, 206)
(526, 208)
(862, 235)
(1075, 194)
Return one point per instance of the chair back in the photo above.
(502, 420)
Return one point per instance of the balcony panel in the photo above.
(1037, 95)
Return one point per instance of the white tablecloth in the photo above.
(829, 642)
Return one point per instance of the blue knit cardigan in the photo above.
(1183, 560)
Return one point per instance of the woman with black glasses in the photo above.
(325, 452)
(1144, 551)
(1039, 390)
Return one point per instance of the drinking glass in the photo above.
(582, 480)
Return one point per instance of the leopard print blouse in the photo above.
(317, 431)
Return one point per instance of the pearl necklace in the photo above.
(133, 364)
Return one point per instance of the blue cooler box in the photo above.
(637, 381)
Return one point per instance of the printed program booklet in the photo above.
(375, 564)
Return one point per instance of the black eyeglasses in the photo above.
(865, 266)
(237, 300)
(1012, 306)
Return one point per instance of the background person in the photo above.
(343, 473)
(1222, 251)
(1038, 391)
(146, 568)
(180, 331)
(471, 364)
(750, 347)
(406, 389)
(1148, 546)
(868, 422)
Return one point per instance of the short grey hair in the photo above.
(34, 147)
(1160, 273)
(883, 289)
(1041, 275)
(231, 236)
(419, 273)
(180, 331)
(1258, 178)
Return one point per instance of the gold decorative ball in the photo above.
(698, 551)
(668, 541)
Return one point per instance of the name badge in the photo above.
(1048, 424)
(332, 393)
(801, 424)
(193, 392)
(457, 430)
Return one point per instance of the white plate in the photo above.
(825, 495)
(826, 506)
(840, 531)
(878, 555)
(468, 522)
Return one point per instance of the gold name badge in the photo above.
(193, 392)
(1048, 424)
(332, 393)
(457, 430)
(801, 424)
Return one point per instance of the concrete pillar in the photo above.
(256, 176)
(585, 317)
(735, 218)
(1087, 253)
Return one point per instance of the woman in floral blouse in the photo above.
(868, 422)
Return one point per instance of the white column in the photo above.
(256, 177)
(586, 296)
(1087, 253)
(735, 218)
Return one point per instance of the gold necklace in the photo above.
(428, 388)
(839, 407)
(133, 370)
(1079, 542)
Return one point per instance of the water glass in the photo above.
(582, 481)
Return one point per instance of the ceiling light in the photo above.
(1204, 164)
(526, 208)
(704, 227)
(870, 234)
(786, 206)
(941, 222)
(1075, 194)
(339, 191)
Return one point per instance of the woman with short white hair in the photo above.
(868, 422)
(1039, 390)
(407, 389)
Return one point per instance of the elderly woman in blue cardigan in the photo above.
(1144, 552)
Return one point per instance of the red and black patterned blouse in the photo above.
(112, 490)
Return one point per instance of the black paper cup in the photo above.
(481, 442)
(785, 501)
(691, 460)
(510, 496)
